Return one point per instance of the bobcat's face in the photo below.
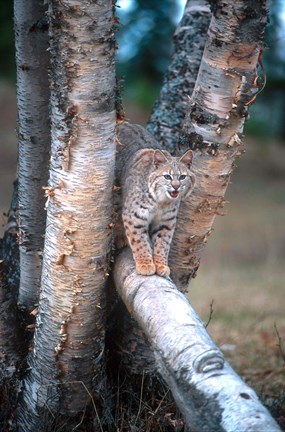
(172, 178)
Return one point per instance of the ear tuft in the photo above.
(159, 157)
(187, 158)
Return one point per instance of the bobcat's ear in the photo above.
(159, 157)
(187, 158)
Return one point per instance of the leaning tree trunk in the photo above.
(32, 60)
(226, 85)
(68, 353)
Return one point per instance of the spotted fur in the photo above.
(153, 183)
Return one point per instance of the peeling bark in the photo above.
(168, 115)
(207, 391)
(32, 60)
(68, 350)
(226, 85)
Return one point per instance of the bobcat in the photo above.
(152, 184)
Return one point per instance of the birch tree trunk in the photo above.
(32, 60)
(226, 85)
(67, 362)
(168, 115)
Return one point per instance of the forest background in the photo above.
(241, 280)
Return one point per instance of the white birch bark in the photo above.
(209, 394)
(68, 349)
(226, 85)
(32, 60)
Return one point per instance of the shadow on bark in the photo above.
(14, 339)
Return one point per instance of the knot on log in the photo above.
(208, 361)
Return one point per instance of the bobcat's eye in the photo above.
(182, 177)
(167, 177)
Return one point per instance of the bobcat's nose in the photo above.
(176, 185)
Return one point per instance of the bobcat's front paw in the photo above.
(145, 269)
(162, 270)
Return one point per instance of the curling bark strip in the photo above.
(32, 61)
(69, 336)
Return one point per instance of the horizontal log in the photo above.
(209, 394)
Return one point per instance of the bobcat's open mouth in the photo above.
(174, 194)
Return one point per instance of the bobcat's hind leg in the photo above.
(120, 234)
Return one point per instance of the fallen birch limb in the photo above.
(209, 394)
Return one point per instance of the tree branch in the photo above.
(207, 391)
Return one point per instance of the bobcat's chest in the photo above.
(163, 213)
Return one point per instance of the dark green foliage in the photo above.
(267, 114)
(275, 37)
(7, 52)
(145, 38)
